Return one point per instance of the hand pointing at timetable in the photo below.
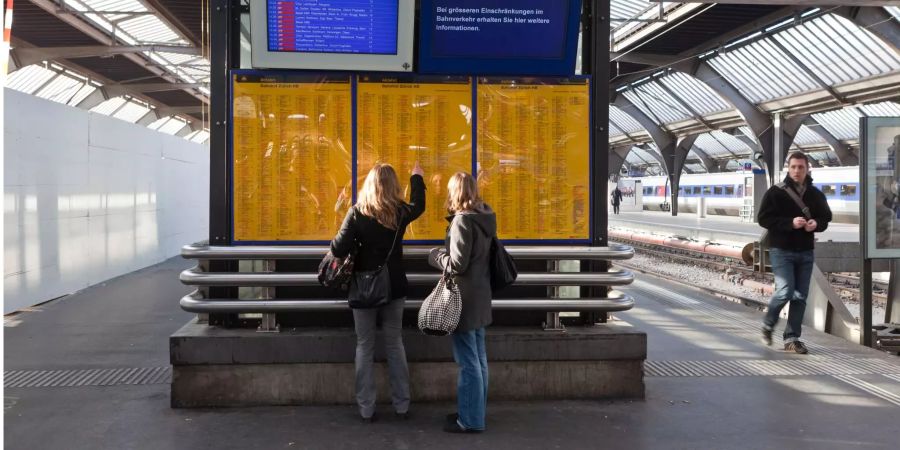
(417, 170)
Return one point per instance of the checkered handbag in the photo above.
(440, 312)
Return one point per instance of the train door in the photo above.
(747, 212)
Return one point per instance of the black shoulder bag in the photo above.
(372, 288)
(502, 265)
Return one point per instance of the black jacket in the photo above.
(778, 210)
(373, 240)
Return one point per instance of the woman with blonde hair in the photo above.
(466, 255)
(375, 228)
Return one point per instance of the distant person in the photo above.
(616, 198)
(466, 253)
(791, 242)
(375, 226)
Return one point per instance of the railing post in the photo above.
(269, 323)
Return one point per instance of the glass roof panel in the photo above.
(131, 112)
(171, 127)
(622, 121)
(110, 106)
(837, 50)
(29, 79)
(696, 93)
(656, 103)
(807, 136)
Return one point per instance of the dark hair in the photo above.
(798, 155)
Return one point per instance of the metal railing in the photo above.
(200, 302)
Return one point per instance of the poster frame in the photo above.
(869, 186)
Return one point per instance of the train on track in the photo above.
(725, 192)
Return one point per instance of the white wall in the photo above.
(88, 197)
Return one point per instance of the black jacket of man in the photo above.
(373, 240)
(778, 210)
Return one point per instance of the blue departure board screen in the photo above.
(333, 26)
(503, 37)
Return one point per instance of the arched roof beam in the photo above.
(845, 154)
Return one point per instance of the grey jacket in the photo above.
(466, 251)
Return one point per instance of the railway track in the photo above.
(845, 285)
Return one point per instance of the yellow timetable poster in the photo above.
(404, 119)
(292, 150)
(533, 153)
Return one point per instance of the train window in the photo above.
(648, 190)
(706, 190)
(717, 190)
(696, 190)
(828, 189)
(848, 190)
(729, 191)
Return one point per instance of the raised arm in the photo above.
(416, 196)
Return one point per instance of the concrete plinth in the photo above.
(238, 367)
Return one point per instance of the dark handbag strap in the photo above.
(396, 234)
(796, 198)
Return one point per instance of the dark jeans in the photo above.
(792, 270)
(615, 209)
(472, 385)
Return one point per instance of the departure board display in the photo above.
(533, 154)
(291, 155)
(333, 26)
(401, 120)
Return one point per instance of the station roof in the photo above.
(687, 68)
(148, 66)
(138, 60)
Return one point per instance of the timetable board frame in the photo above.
(590, 143)
(230, 144)
(264, 59)
(354, 118)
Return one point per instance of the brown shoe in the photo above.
(796, 347)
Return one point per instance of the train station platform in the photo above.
(714, 227)
(91, 371)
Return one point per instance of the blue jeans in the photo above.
(472, 386)
(792, 270)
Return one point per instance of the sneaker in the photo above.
(452, 418)
(402, 416)
(455, 427)
(767, 336)
(796, 347)
(370, 419)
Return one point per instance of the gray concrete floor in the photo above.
(126, 324)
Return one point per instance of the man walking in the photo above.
(616, 198)
(792, 211)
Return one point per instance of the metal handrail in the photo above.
(194, 251)
(198, 277)
(196, 303)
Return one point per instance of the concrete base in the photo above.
(214, 367)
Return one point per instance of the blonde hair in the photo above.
(462, 193)
(381, 195)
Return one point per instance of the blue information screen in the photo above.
(500, 28)
(507, 37)
(333, 26)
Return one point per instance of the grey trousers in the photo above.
(391, 325)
